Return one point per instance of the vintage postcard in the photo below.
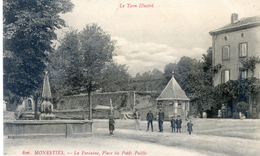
(131, 77)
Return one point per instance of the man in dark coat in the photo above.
(173, 123)
(160, 119)
(189, 125)
(111, 124)
(178, 124)
(149, 118)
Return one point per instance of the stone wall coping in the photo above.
(47, 121)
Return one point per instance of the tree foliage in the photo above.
(28, 30)
(194, 77)
(250, 63)
(81, 58)
(242, 106)
(148, 81)
(114, 78)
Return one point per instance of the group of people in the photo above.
(175, 123)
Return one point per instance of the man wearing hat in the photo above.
(178, 123)
(149, 118)
(160, 119)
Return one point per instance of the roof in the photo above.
(243, 23)
(173, 91)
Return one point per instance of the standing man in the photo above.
(160, 119)
(136, 117)
(149, 118)
(178, 123)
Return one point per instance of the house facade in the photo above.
(231, 45)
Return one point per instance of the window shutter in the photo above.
(226, 76)
(243, 49)
(225, 52)
(223, 76)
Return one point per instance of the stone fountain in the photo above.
(47, 125)
(46, 106)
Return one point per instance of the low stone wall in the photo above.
(83, 114)
(47, 128)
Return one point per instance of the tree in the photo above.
(242, 107)
(84, 56)
(194, 77)
(64, 56)
(28, 30)
(250, 63)
(188, 74)
(114, 78)
(207, 67)
(148, 81)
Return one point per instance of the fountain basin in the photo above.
(47, 128)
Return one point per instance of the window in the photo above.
(225, 76)
(243, 73)
(242, 49)
(242, 35)
(225, 53)
(225, 38)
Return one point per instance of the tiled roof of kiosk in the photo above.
(173, 91)
(243, 23)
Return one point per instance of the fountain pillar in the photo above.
(46, 106)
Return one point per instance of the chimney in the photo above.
(234, 17)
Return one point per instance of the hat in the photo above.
(172, 116)
(160, 108)
(178, 116)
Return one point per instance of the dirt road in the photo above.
(210, 137)
(96, 145)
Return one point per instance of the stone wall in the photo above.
(122, 101)
(47, 128)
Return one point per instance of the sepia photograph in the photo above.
(130, 77)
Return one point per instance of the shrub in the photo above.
(242, 107)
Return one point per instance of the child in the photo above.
(189, 124)
(173, 123)
(219, 114)
(111, 124)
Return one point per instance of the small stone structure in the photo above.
(46, 106)
(174, 101)
(47, 126)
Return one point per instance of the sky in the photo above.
(149, 38)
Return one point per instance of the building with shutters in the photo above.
(231, 45)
